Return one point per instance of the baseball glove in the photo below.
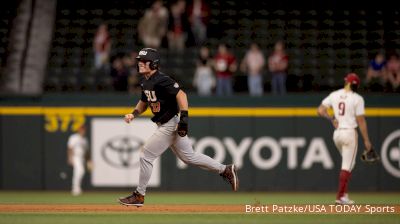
(370, 156)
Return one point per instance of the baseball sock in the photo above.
(344, 178)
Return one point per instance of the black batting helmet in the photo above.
(151, 55)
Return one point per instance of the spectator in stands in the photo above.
(224, 65)
(277, 65)
(119, 74)
(204, 56)
(199, 13)
(102, 47)
(376, 73)
(152, 26)
(253, 63)
(178, 26)
(393, 71)
(129, 61)
(204, 79)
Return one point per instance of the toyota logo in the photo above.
(390, 153)
(122, 151)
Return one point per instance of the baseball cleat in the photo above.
(76, 192)
(230, 174)
(135, 199)
(344, 200)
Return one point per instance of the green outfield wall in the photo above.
(279, 143)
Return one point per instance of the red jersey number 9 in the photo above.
(342, 108)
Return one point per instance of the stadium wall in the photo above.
(279, 143)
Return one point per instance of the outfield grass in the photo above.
(8, 197)
(50, 197)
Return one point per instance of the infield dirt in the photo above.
(120, 208)
(164, 208)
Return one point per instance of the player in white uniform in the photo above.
(348, 108)
(77, 154)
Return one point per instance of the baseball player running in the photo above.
(348, 108)
(169, 105)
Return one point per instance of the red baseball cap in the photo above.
(352, 78)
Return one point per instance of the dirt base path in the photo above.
(121, 208)
(243, 209)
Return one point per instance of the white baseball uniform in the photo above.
(347, 105)
(79, 146)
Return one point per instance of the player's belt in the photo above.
(159, 123)
(165, 118)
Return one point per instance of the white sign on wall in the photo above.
(390, 153)
(116, 152)
(316, 151)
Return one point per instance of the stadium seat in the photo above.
(318, 41)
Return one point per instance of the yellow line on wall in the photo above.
(21, 110)
(194, 111)
(252, 112)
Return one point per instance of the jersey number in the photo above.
(151, 95)
(155, 107)
(342, 108)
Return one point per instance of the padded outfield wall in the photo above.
(279, 143)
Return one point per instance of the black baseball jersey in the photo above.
(159, 92)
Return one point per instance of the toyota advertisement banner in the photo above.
(116, 152)
(280, 154)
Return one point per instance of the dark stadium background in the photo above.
(324, 39)
(47, 80)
